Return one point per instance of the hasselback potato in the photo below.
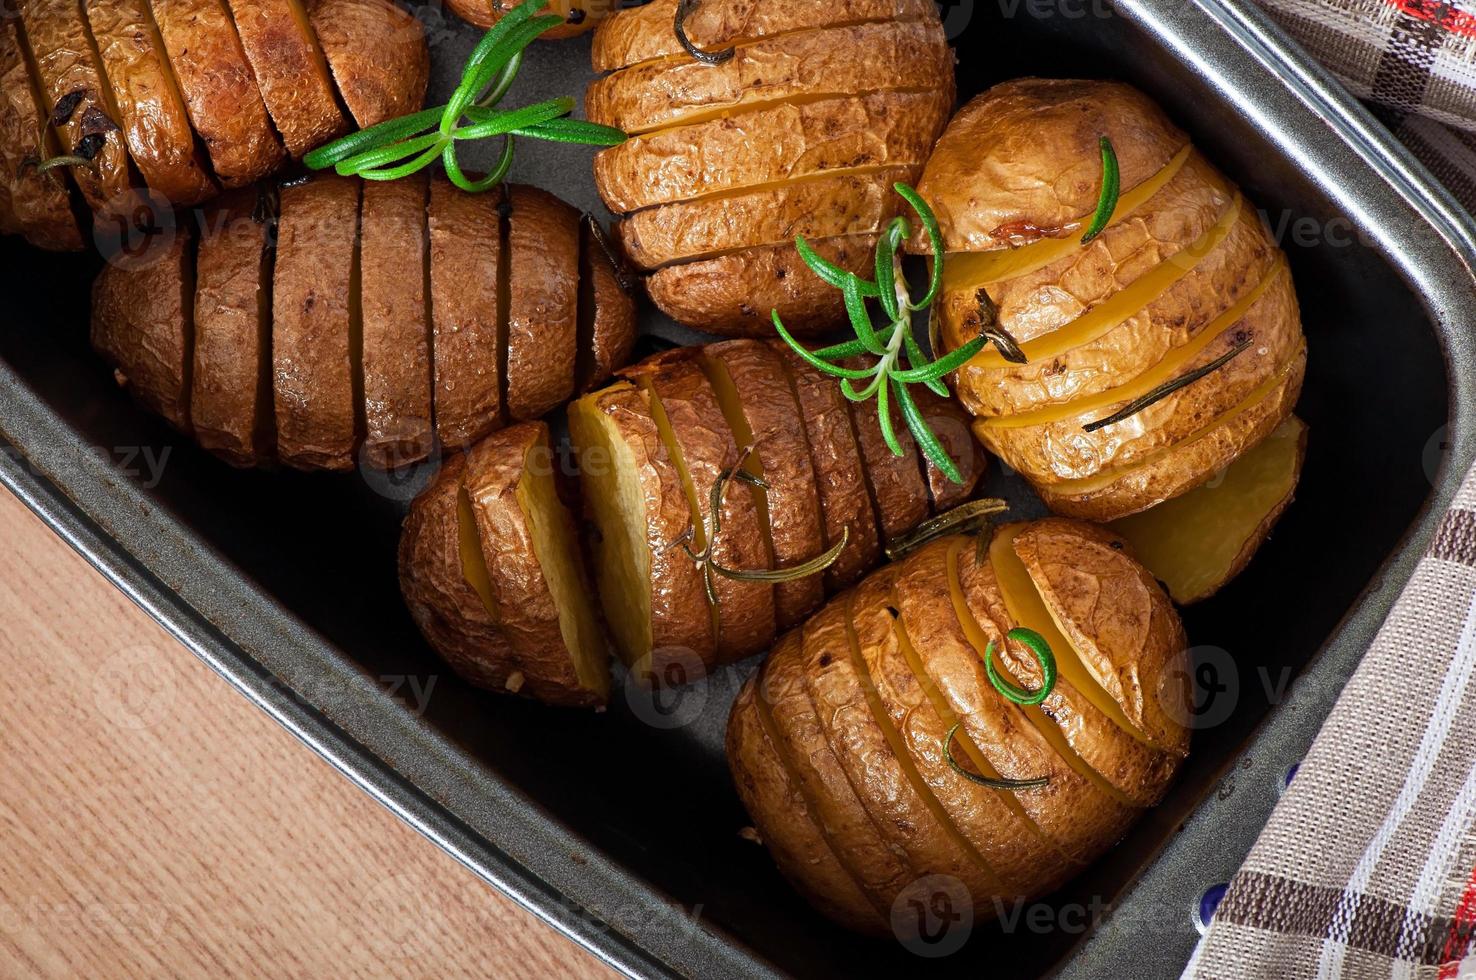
(821, 107)
(364, 321)
(160, 103)
(1111, 412)
(840, 745)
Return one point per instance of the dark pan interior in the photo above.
(656, 797)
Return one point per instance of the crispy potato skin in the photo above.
(153, 118)
(1185, 277)
(1028, 842)
(39, 202)
(803, 132)
(466, 276)
(292, 72)
(230, 405)
(543, 300)
(607, 314)
(377, 54)
(580, 16)
(142, 321)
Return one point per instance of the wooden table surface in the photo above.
(153, 822)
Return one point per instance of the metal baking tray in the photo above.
(620, 829)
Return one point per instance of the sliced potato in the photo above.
(737, 294)
(907, 55)
(377, 54)
(543, 294)
(896, 482)
(467, 284)
(151, 111)
(315, 321)
(607, 315)
(645, 33)
(579, 15)
(75, 96)
(772, 144)
(219, 89)
(1196, 543)
(393, 243)
(652, 592)
(142, 321)
(824, 207)
(41, 203)
(292, 72)
(231, 404)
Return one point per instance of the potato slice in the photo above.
(468, 295)
(143, 323)
(151, 110)
(219, 89)
(543, 307)
(291, 71)
(231, 400)
(903, 56)
(539, 598)
(315, 341)
(753, 390)
(1196, 543)
(985, 182)
(393, 259)
(799, 845)
(840, 477)
(607, 314)
(41, 203)
(579, 15)
(651, 591)
(76, 97)
(378, 56)
(645, 33)
(897, 487)
(1176, 470)
(736, 294)
(1128, 769)
(823, 207)
(698, 439)
(772, 144)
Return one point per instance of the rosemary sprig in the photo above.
(1038, 646)
(970, 518)
(973, 777)
(400, 147)
(683, 11)
(1169, 387)
(900, 360)
(709, 564)
(1107, 200)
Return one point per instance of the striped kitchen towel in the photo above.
(1391, 778)
(1412, 61)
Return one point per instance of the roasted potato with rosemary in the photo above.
(490, 567)
(136, 106)
(387, 318)
(753, 121)
(1145, 326)
(731, 488)
(909, 728)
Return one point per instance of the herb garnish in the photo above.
(1169, 387)
(1018, 695)
(400, 147)
(683, 11)
(894, 344)
(1107, 201)
(971, 517)
(711, 566)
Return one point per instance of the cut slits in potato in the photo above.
(377, 54)
(1197, 543)
(41, 203)
(292, 72)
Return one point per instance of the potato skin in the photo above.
(543, 300)
(377, 54)
(812, 659)
(580, 16)
(291, 71)
(40, 202)
(607, 328)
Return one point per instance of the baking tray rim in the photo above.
(99, 532)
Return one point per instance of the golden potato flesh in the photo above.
(868, 733)
(1157, 350)
(801, 131)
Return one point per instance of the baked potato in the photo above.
(159, 103)
(673, 496)
(1197, 542)
(1157, 352)
(858, 746)
(579, 15)
(802, 130)
(303, 340)
(490, 568)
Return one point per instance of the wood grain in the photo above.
(154, 822)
